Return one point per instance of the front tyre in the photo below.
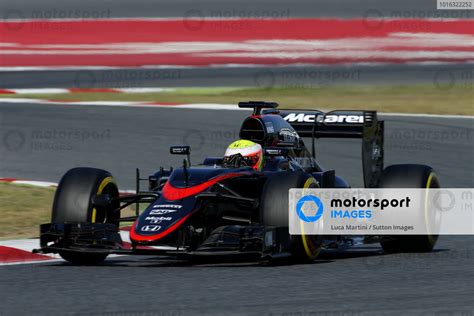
(73, 204)
(409, 176)
(274, 211)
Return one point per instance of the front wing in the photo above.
(231, 243)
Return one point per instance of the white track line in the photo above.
(29, 244)
(22, 244)
(42, 184)
(37, 91)
(201, 106)
(470, 117)
(71, 90)
(30, 262)
(198, 106)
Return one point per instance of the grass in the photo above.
(422, 98)
(23, 208)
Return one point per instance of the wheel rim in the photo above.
(432, 182)
(310, 243)
(107, 185)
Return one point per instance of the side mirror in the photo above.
(182, 150)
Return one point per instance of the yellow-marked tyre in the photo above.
(274, 211)
(73, 204)
(409, 176)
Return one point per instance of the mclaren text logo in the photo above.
(309, 118)
(151, 228)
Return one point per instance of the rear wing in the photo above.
(344, 124)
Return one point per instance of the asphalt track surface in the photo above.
(42, 142)
(442, 76)
(10, 9)
(362, 282)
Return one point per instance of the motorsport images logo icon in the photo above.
(309, 199)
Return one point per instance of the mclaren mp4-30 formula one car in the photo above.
(225, 207)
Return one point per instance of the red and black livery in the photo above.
(213, 210)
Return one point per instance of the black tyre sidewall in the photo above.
(72, 201)
(409, 176)
(73, 204)
(274, 210)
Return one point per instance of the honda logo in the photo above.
(151, 228)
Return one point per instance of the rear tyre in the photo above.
(409, 176)
(73, 204)
(274, 211)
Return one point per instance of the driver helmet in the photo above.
(244, 153)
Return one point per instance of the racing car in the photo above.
(233, 207)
